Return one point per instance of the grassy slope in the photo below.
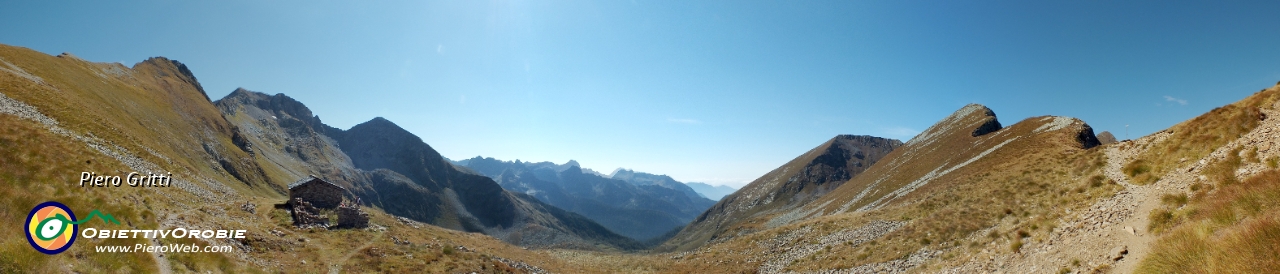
(775, 191)
(35, 167)
(1013, 195)
(40, 165)
(1196, 138)
(1225, 224)
(154, 114)
(1234, 229)
(87, 98)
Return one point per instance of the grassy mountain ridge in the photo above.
(803, 179)
(977, 190)
(968, 195)
(63, 115)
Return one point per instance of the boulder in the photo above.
(1107, 138)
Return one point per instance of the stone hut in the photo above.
(318, 192)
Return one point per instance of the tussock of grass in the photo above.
(1236, 229)
(1140, 171)
(1224, 172)
(1171, 213)
(1173, 200)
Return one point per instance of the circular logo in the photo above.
(51, 227)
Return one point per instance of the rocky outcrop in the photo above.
(989, 126)
(848, 155)
(1086, 138)
(240, 141)
(1106, 138)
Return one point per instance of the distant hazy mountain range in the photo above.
(966, 195)
(710, 191)
(639, 205)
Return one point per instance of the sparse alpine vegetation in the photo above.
(968, 195)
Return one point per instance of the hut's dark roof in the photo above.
(304, 181)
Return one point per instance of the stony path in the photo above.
(791, 252)
(1094, 236)
(336, 266)
(1112, 233)
(1133, 239)
(162, 263)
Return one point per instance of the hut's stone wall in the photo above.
(306, 215)
(319, 193)
(350, 216)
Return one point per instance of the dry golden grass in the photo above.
(37, 166)
(1196, 138)
(1235, 229)
(1013, 197)
(1018, 192)
(148, 109)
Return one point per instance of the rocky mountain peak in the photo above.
(167, 67)
(976, 119)
(991, 124)
(620, 172)
(291, 112)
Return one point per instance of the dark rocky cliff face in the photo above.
(390, 168)
(847, 156)
(379, 143)
(1086, 138)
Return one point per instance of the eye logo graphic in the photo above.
(52, 227)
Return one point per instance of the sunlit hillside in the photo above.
(970, 194)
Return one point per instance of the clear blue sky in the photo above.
(711, 91)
